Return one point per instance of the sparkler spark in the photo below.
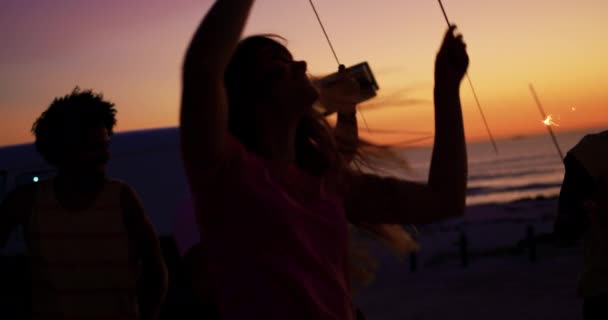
(573, 108)
(549, 121)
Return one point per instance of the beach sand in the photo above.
(500, 281)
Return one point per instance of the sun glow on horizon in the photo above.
(135, 61)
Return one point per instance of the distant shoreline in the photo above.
(516, 201)
(484, 140)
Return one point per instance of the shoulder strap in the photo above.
(129, 203)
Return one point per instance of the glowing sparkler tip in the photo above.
(549, 121)
(573, 108)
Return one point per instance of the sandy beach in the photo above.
(500, 281)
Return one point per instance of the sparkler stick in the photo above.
(333, 50)
(324, 32)
(444, 14)
(548, 122)
(483, 117)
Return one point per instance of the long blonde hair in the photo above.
(316, 150)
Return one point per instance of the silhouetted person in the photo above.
(272, 193)
(198, 302)
(93, 252)
(583, 213)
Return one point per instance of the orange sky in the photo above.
(131, 51)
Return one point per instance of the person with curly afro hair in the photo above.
(63, 129)
(93, 251)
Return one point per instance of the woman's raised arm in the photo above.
(204, 108)
(388, 200)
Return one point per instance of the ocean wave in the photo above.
(511, 174)
(528, 187)
(512, 159)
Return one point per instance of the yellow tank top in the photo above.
(82, 262)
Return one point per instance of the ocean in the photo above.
(526, 167)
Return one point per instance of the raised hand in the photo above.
(452, 60)
(342, 95)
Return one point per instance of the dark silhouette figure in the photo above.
(531, 243)
(463, 247)
(272, 191)
(199, 302)
(583, 213)
(93, 252)
(413, 262)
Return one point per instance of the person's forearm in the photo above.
(448, 172)
(204, 108)
(347, 134)
(217, 36)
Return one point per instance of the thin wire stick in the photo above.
(483, 117)
(324, 32)
(365, 122)
(444, 14)
(544, 115)
(333, 51)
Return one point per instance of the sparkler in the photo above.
(333, 51)
(483, 117)
(324, 32)
(548, 121)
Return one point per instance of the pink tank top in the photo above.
(277, 242)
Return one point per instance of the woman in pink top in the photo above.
(272, 189)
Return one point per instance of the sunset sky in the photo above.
(132, 52)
